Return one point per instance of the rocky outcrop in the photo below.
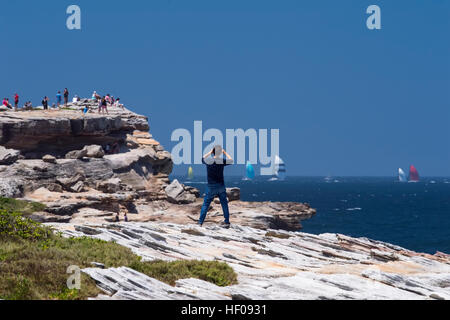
(61, 131)
(92, 166)
(8, 156)
(109, 186)
(233, 194)
(270, 264)
(93, 151)
(64, 151)
(49, 158)
(179, 194)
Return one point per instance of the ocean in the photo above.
(415, 216)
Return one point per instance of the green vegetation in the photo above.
(13, 227)
(24, 207)
(34, 260)
(216, 272)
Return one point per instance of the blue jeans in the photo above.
(212, 191)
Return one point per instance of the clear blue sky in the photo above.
(347, 100)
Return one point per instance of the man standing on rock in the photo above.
(216, 183)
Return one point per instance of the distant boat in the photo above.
(190, 173)
(402, 175)
(413, 174)
(279, 170)
(249, 171)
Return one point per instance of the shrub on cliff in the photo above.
(14, 226)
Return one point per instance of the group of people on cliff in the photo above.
(59, 97)
(63, 99)
(105, 101)
(8, 105)
(45, 101)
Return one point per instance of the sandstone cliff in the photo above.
(57, 157)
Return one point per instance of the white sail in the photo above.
(401, 175)
(279, 169)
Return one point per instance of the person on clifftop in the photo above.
(117, 104)
(215, 164)
(66, 96)
(6, 103)
(58, 99)
(85, 110)
(103, 106)
(45, 103)
(16, 101)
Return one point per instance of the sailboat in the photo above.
(402, 175)
(413, 174)
(249, 171)
(279, 170)
(190, 173)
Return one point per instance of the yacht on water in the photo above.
(413, 174)
(249, 171)
(279, 170)
(402, 175)
(190, 175)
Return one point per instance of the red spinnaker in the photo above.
(413, 174)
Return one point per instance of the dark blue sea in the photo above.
(412, 215)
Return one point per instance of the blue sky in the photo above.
(347, 100)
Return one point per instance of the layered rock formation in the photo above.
(270, 264)
(89, 167)
(60, 158)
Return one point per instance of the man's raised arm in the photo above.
(229, 160)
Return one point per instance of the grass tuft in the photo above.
(24, 207)
(219, 273)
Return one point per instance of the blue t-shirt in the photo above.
(58, 97)
(214, 168)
